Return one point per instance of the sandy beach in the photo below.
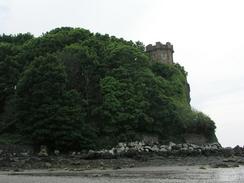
(162, 174)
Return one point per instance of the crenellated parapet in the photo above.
(162, 53)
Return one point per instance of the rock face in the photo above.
(195, 139)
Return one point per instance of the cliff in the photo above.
(74, 89)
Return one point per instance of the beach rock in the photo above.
(234, 165)
(43, 151)
(48, 165)
(56, 152)
(214, 147)
(171, 144)
(76, 163)
(121, 149)
(121, 144)
(220, 165)
(91, 155)
(24, 154)
(225, 165)
(238, 150)
(193, 146)
(148, 148)
(227, 152)
(16, 170)
(107, 155)
(132, 144)
(112, 151)
(169, 148)
(232, 159)
(176, 146)
(131, 153)
(184, 151)
(240, 161)
(117, 168)
(155, 148)
(162, 149)
(185, 146)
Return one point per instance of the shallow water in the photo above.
(174, 174)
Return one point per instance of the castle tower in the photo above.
(162, 53)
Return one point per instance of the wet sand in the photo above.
(160, 174)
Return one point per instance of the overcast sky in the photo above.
(208, 39)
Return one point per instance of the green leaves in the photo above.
(46, 112)
(73, 89)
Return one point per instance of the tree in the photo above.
(47, 113)
(73, 86)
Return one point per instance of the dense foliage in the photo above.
(74, 89)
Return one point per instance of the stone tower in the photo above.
(162, 53)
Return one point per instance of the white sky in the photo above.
(208, 38)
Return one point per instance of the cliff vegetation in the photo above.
(73, 89)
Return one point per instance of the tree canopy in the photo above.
(75, 89)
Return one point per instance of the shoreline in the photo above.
(73, 164)
(124, 172)
(124, 155)
(156, 174)
(152, 171)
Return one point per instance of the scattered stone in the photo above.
(24, 154)
(101, 163)
(56, 152)
(76, 163)
(225, 165)
(227, 151)
(171, 144)
(102, 168)
(51, 169)
(116, 167)
(202, 167)
(238, 150)
(121, 144)
(163, 149)
(139, 151)
(220, 165)
(16, 170)
(235, 165)
(43, 151)
(230, 160)
(106, 155)
(48, 165)
(241, 161)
